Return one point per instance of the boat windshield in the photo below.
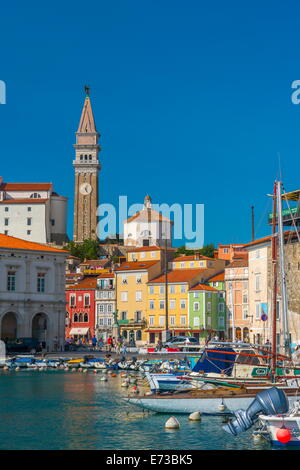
(242, 358)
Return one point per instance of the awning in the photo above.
(78, 331)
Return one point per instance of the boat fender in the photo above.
(222, 407)
(283, 435)
(172, 423)
(196, 416)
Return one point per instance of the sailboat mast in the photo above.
(274, 290)
(282, 273)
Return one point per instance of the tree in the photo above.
(206, 250)
(88, 249)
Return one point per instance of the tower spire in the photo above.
(87, 121)
(87, 166)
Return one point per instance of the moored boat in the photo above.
(218, 401)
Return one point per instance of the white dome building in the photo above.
(147, 228)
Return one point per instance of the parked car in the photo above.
(178, 341)
(31, 345)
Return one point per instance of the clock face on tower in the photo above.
(85, 189)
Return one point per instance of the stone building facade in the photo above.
(32, 292)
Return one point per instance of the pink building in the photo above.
(237, 299)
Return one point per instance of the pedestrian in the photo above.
(109, 343)
(100, 343)
(124, 348)
(159, 345)
(94, 342)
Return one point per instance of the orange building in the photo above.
(229, 252)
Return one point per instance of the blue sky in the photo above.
(192, 100)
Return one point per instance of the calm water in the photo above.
(72, 410)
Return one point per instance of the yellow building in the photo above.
(151, 253)
(197, 262)
(179, 283)
(131, 295)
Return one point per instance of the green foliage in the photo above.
(207, 250)
(88, 249)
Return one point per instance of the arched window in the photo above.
(35, 196)
(138, 335)
(80, 318)
(86, 318)
(75, 318)
(124, 334)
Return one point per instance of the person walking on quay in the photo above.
(118, 345)
(100, 343)
(94, 342)
(109, 343)
(159, 345)
(124, 348)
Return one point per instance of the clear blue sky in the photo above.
(192, 100)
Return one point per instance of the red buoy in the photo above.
(283, 435)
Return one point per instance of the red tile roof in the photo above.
(203, 287)
(238, 263)
(260, 240)
(148, 215)
(88, 283)
(106, 275)
(136, 265)
(13, 243)
(191, 258)
(144, 248)
(178, 275)
(217, 278)
(25, 186)
(95, 262)
(28, 200)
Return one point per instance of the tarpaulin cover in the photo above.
(214, 361)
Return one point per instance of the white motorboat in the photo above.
(282, 430)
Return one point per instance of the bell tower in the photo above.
(87, 166)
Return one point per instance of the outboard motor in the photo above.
(272, 401)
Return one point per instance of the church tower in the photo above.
(87, 168)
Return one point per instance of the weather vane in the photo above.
(87, 90)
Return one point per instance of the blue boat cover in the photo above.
(215, 361)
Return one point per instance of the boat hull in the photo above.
(273, 423)
(209, 405)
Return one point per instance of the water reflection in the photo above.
(64, 410)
